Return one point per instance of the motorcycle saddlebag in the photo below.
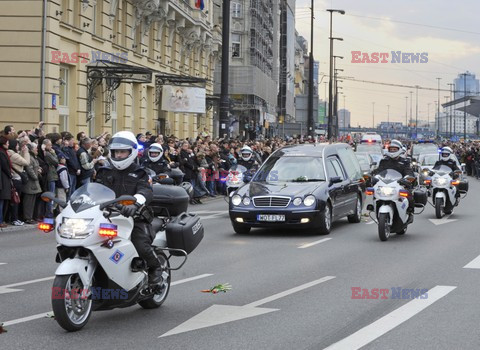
(420, 197)
(184, 232)
(173, 198)
(463, 186)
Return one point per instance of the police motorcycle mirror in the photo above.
(50, 197)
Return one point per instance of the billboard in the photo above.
(183, 99)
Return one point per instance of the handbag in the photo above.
(15, 198)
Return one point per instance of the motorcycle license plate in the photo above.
(271, 217)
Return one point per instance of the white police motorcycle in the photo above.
(235, 178)
(444, 190)
(390, 200)
(99, 266)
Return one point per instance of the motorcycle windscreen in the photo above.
(442, 170)
(90, 195)
(389, 175)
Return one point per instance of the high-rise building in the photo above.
(466, 82)
(286, 93)
(254, 66)
(456, 123)
(343, 118)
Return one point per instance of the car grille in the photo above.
(277, 202)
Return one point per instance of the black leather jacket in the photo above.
(131, 181)
(400, 164)
(450, 163)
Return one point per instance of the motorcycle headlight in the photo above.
(439, 181)
(246, 201)
(386, 191)
(236, 200)
(425, 172)
(297, 201)
(309, 200)
(75, 228)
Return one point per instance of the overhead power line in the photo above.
(396, 85)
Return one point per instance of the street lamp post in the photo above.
(411, 101)
(450, 109)
(330, 87)
(464, 107)
(438, 109)
(388, 121)
(373, 115)
(310, 123)
(224, 100)
(335, 102)
(428, 117)
(406, 117)
(416, 113)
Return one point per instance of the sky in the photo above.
(447, 30)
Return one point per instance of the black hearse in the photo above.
(302, 186)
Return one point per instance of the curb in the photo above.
(25, 227)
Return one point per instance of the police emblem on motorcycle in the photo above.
(117, 256)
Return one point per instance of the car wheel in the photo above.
(326, 220)
(357, 216)
(241, 229)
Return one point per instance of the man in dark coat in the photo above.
(5, 178)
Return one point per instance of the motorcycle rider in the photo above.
(393, 160)
(125, 177)
(248, 161)
(155, 160)
(246, 158)
(446, 158)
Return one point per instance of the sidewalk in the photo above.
(27, 227)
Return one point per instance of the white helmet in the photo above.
(155, 148)
(446, 153)
(394, 154)
(123, 140)
(246, 153)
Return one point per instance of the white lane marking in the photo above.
(8, 288)
(390, 321)
(313, 243)
(444, 220)
(474, 264)
(37, 316)
(220, 314)
(370, 222)
(290, 291)
(3, 263)
(191, 279)
(25, 319)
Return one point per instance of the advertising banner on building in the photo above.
(183, 99)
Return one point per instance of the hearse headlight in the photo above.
(309, 200)
(236, 200)
(297, 201)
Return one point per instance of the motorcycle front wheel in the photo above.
(438, 208)
(383, 228)
(71, 307)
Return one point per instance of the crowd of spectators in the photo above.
(32, 162)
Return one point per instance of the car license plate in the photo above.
(270, 217)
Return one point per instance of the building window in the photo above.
(236, 42)
(63, 122)
(97, 18)
(236, 9)
(63, 93)
(65, 10)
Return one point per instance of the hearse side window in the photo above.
(350, 163)
(334, 168)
